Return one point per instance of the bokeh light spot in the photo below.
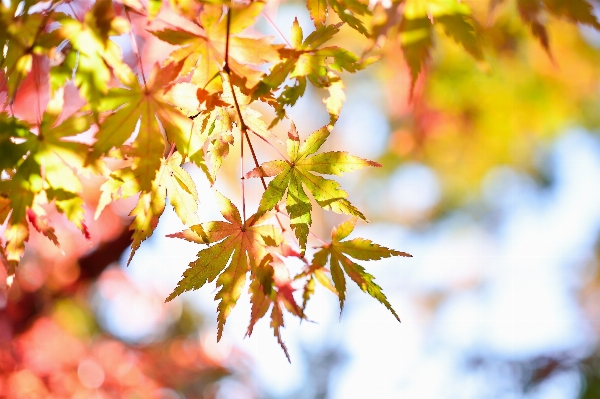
(90, 373)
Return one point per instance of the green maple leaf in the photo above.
(339, 254)
(204, 52)
(218, 151)
(95, 58)
(578, 11)
(533, 14)
(315, 274)
(416, 31)
(61, 160)
(52, 164)
(309, 60)
(11, 130)
(238, 247)
(217, 128)
(171, 181)
(348, 11)
(28, 37)
(149, 106)
(318, 11)
(293, 175)
(44, 167)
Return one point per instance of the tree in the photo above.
(77, 104)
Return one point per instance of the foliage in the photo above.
(139, 131)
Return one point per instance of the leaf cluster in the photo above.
(142, 127)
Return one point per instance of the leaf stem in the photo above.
(243, 179)
(73, 11)
(271, 144)
(134, 47)
(171, 151)
(264, 14)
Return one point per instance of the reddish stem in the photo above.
(134, 47)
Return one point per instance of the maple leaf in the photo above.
(171, 181)
(4, 208)
(339, 252)
(578, 11)
(149, 106)
(40, 223)
(53, 161)
(12, 129)
(219, 150)
(204, 52)
(28, 37)
(271, 285)
(533, 13)
(95, 56)
(293, 175)
(61, 160)
(309, 60)
(314, 274)
(416, 31)
(348, 12)
(217, 127)
(238, 246)
(44, 167)
(318, 11)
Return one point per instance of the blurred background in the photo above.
(491, 180)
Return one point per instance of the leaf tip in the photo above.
(170, 297)
(293, 133)
(86, 231)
